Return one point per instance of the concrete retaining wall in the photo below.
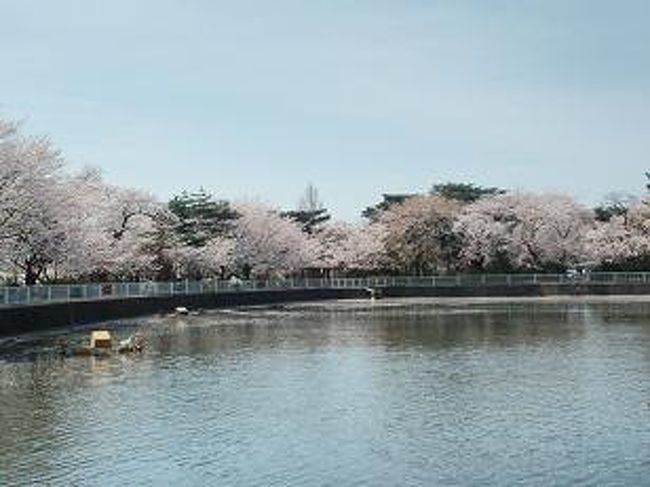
(24, 319)
(523, 290)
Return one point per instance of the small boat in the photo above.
(101, 345)
(101, 339)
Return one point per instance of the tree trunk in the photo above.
(31, 275)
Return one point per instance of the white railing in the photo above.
(40, 294)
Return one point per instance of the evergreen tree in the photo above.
(615, 204)
(464, 192)
(373, 212)
(201, 217)
(604, 213)
(160, 242)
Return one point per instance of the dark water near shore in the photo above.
(410, 392)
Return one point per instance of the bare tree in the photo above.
(310, 200)
(311, 211)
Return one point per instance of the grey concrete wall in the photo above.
(523, 290)
(24, 319)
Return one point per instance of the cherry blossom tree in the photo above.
(55, 225)
(128, 220)
(267, 244)
(522, 231)
(623, 241)
(346, 247)
(109, 229)
(419, 234)
(208, 261)
(32, 203)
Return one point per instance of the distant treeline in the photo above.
(59, 226)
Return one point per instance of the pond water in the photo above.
(408, 392)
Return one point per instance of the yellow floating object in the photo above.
(100, 339)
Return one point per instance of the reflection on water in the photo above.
(410, 392)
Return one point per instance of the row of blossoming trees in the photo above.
(57, 226)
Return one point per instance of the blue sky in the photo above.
(257, 99)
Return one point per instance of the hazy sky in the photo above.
(256, 99)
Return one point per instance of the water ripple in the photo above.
(534, 394)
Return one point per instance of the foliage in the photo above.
(309, 220)
(622, 242)
(464, 192)
(615, 204)
(345, 247)
(201, 217)
(55, 225)
(266, 243)
(419, 234)
(33, 203)
(522, 231)
(461, 192)
(311, 213)
(373, 212)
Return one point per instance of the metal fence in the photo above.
(40, 294)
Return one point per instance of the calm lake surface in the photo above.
(409, 392)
